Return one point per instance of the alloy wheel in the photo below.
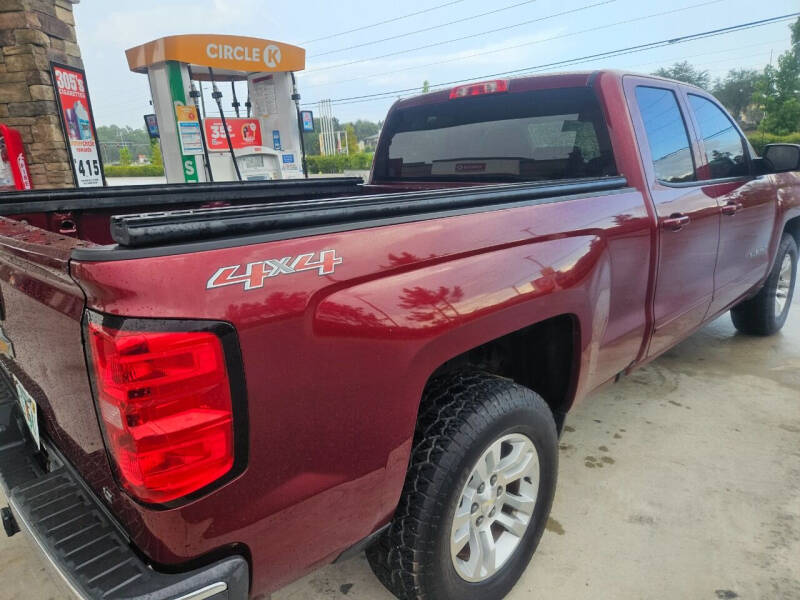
(784, 285)
(495, 508)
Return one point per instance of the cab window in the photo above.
(666, 134)
(724, 147)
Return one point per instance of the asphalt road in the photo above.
(680, 482)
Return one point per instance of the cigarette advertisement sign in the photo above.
(151, 124)
(307, 118)
(189, 129)
(244, 133)
(78, 123)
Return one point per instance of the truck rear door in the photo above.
(688, 218)
(747, 202)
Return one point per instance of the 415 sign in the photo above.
(89, 167)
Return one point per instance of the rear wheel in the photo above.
(477, 495)
(766, 312)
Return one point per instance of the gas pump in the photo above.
(256, 163)
(198, 146)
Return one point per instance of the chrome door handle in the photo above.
(675, 222)
(731, 208)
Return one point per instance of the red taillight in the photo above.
(164, 400)
(480, 89)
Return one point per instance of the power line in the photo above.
(467, 37)
(555, 37)
(431, 28)
(504, 48)
(691, 56)
(683, 39)
(607, 54)
(121, 145)
(656, 62)
(392, 20)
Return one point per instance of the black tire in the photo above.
(460, 416)
(759, 315)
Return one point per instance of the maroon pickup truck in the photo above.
(208, 391)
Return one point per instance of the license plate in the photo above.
(29, 411)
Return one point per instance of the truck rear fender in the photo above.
(788, 190)
(335, 365)
(793, 227)
(483, 309)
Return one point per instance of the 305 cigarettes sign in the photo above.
(78, 123)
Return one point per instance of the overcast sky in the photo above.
(533, 33)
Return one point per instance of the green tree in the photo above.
(311, 140)
(683, 71)
(778, 92)
(736, 91)
(155, 154)
(113, 137)
(426, 86)
(124, 156)
(365, 128)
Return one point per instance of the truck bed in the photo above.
(296, 216)
(277, 209)
(85, 214)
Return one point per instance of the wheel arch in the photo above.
(543, 356)
(792, 227)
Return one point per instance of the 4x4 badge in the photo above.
(254, 274)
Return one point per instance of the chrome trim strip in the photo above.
(206, 592)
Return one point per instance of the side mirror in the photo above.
(782, 157)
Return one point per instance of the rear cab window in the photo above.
(511, 136)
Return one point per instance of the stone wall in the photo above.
(32, 33)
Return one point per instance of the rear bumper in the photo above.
(90, 554)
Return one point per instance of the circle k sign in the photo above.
(232, 52)
(272, 56)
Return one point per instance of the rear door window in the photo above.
(667, 136)
(526, 136)
(725, 155)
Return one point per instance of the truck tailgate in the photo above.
(85, 547)
(42, 343)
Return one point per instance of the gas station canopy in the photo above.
(233, 56)
(263, 143)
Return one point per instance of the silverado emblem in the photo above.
(253, 274)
